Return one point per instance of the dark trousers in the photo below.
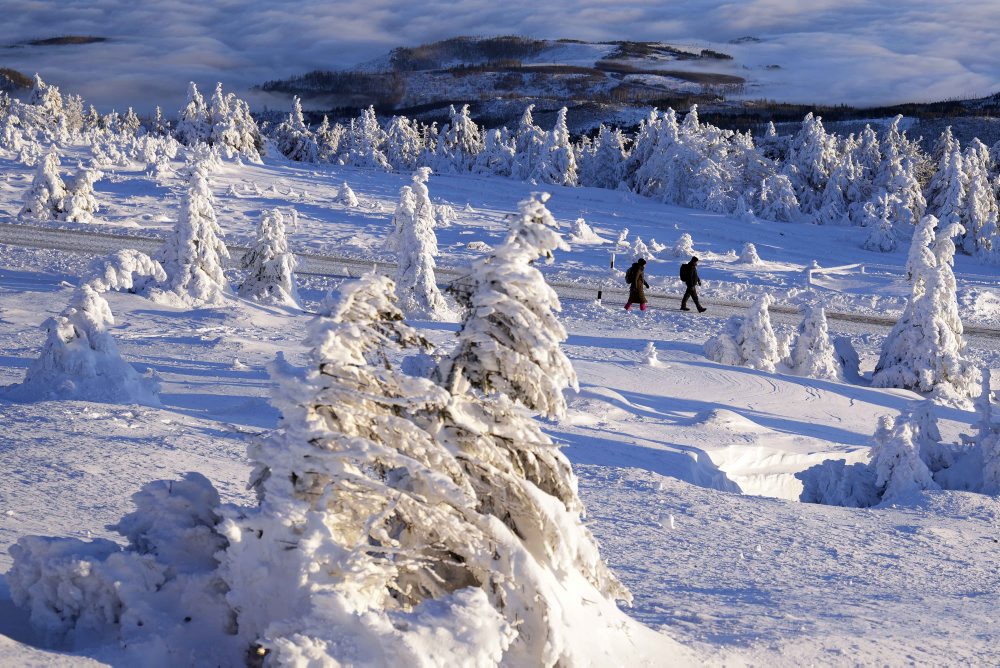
(690, 294)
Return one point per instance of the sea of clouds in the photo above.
(829, 51)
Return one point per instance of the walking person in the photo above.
(689, 274)
(636, 279)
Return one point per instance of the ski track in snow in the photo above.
(662, 452)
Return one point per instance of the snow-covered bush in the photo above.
(80, 359)
(640, 249)
(582, 233)
(346, 196)
(925, 351)
(683, 247)
(835, 483)
(748, 254)
(649, 355)
(445, 215)
(159, 596)
(812, 352)
(270, 265)
(193, 253)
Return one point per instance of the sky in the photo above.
(830, 51)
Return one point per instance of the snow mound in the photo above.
(726, 420)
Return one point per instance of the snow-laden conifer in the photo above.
(367, 140)
(812, 156)
(509, 361)
(812, 351)
(416, 244)
(895, 458)
(979, 212)
(529, 140)
(270, 266)
(640, 249)
(46, 199)
(556, 161)
(925, 351)
(193, 125)
(684, 246)
(80, 203)
(366, 522)
(748, 340)
(602, 166)
(403, 143)
(294, 138)
(986, 440)
(778, 201)
(194, 252)
(582, 233)
(877, 219)
(459, 143)
(497, 156)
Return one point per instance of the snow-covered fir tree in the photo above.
(895, 459)
(947, 157)
(508, 361)
(270, 266)
(748, 340)
(459, 143)
(979, 212)
(294, 138)
(365, 520)
(46, 199)
(925, 351)
(601, 167)
(497, 156)
(878, 221)
(528, 142)
(812, 351)
(683, 247)
(556, 162)
(778, 201)
(193, 254)
(193, 125)
(640, 249)
(403, 143)
(986, 440)
(367, 140)
(80, 203)
(811, 158)
(416, 243)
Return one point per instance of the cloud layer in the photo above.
(830, 51)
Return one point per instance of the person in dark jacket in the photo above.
(637, 284)
(689, 274)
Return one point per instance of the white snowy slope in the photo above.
(687, 466)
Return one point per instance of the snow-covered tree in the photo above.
(529, 140)
(366, 522)
(194, 252)
(46, 199)
(987, 437)
(812, 156)
(980, 212)
(556, 162)
(895, 458)
(948, 177)
(294, 138)
(193, 125)
(508, 360)
(80, 203)
(270, 265)
(80, 359)
(601, 167)
(497, 156)
(640, 249)
(233, 127)
(878, 221)
(459, 143)
(416, 244)
(403, 143)
(582, 233)
(778, 201)
(925, 351)
(812, 351)
(748, 340)
(683, 247)
(367, 139)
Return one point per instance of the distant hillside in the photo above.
(11, 80)
(499, 75)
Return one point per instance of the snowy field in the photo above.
(687, 466)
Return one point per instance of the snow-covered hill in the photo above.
(687, 466)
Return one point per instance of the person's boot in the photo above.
(685, 308)
(701, 309)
